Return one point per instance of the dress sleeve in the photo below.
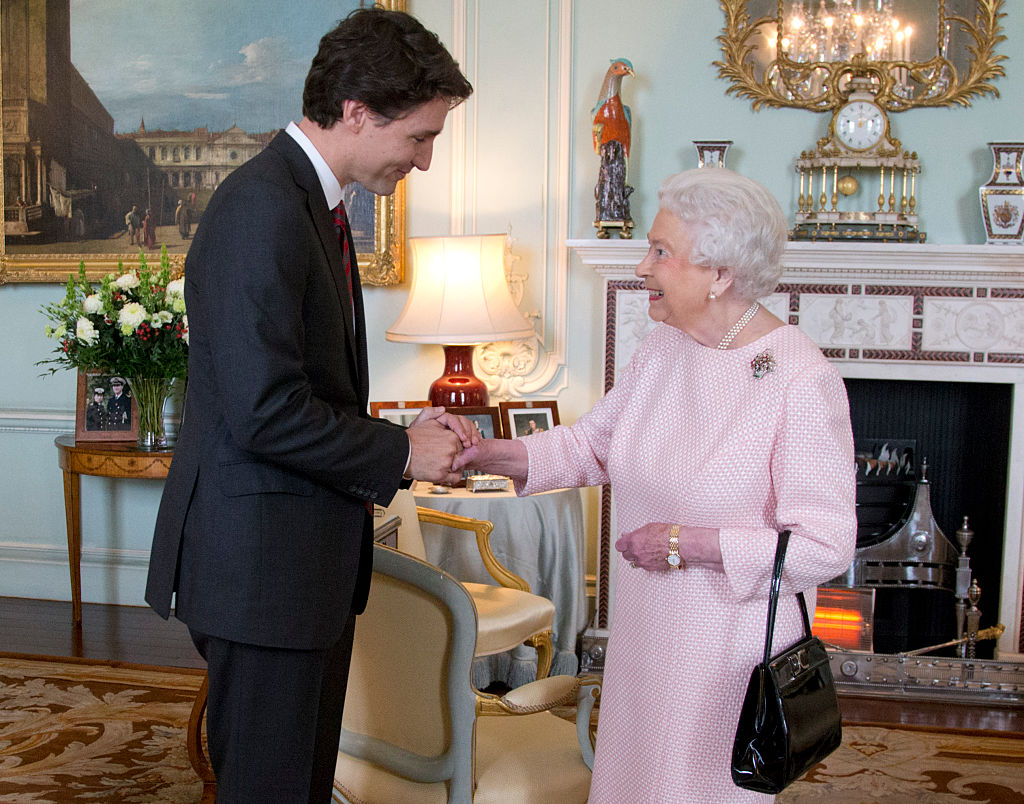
(814, 482)
(576, 456)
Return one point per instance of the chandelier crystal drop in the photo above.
(838, 29)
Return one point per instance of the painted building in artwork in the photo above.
(64, 170)
(196, 161)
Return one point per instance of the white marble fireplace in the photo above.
(879, 311)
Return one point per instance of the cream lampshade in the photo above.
(459, 298)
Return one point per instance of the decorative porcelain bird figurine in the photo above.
(612, 121)
(612, 118)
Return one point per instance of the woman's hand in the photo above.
(647, 547)
(498, 456)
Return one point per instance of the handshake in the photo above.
(443, 444)
(436, 439)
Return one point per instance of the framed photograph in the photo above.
(487, 419)
(107, 155)
(402, 413)
(525, 417)
(105, 409)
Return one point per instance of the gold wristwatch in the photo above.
(675, 561)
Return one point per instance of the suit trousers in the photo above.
(273, 718)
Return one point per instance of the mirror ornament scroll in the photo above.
(961, 65)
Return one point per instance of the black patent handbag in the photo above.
(790, 718)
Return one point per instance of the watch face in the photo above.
(674, 559)
(859, 125)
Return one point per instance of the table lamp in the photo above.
(459, 298)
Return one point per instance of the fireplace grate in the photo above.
(945, 678)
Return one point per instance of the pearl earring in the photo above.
(712, 296)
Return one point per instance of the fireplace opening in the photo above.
(962, 430)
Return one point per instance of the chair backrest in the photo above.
(409, 706)
(410, 537)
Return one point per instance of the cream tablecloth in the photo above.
(539, 538)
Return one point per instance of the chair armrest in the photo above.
(586, 729)
(482, 528)
(554, 692)
(537, 696)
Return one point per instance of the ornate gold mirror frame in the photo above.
(963, 65)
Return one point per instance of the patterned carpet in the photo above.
(80, 731)
(878, 765)
(92, 732)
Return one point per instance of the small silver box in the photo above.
(488, 483)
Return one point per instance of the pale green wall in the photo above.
(676, 98)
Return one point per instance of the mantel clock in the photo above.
(838, 178)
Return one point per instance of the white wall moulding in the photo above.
(879, 311)
(486, 142)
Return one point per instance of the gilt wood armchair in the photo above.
(415, 729)
(508, 613)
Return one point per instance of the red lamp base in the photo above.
(458, 387)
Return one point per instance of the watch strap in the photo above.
(673, 558)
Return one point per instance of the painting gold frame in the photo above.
(383, 266)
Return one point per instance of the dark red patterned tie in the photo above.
(341, 226)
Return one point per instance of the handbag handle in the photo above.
(773, 597)
(773, 604)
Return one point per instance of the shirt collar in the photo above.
(328, 181)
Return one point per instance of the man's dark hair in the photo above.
(385, 59)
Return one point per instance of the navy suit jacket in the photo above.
(263, 529)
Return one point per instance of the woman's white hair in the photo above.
(733, 222)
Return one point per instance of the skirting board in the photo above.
(116, 577)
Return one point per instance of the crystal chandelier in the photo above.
(839, 29)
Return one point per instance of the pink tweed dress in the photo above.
(688, 435)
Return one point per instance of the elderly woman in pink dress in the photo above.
(727, 427)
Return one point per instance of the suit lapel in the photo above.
(306, 178)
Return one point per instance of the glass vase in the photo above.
(151, 394)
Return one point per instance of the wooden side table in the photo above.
(116, 459)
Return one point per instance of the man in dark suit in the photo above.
(264, 530)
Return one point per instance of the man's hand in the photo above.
(468, 433)
(434, 445)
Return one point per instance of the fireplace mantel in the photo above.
(879, 311)
(876, 260)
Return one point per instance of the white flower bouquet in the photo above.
(134, 324)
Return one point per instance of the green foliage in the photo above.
(134, 324)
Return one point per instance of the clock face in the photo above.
(859, 125)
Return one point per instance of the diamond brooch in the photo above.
(763, 363)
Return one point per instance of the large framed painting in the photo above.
(120, 120)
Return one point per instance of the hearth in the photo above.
(944, 450)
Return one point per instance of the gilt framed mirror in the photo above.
(801, 53)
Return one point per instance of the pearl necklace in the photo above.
(739, 325)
